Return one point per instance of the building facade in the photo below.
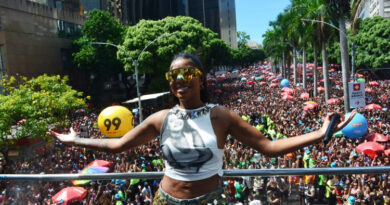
(371, 8)
(34, 38)
(35, 34)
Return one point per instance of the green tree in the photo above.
(100, 60)
(317, 10)
(356, 6)
(31, 105)
(190, 37)
(339, 11)
(246, 56)
(242, 39)
(373, 42)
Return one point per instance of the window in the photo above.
(2, 67)
(68, 30)
(2, 63)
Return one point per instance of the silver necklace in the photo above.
(190, 114)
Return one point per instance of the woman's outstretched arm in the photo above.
(248, 135)
(141, 134)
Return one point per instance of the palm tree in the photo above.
(279, 39)
(272, 45)
(294, 32)
(340, 9)
(318, 34)
(356, 5)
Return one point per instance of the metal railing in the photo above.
(226, 173)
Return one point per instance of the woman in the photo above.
(193, 134)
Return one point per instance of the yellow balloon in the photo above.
(115, 121)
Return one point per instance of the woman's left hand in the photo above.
(341, 125)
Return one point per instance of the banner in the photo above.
(356, 94)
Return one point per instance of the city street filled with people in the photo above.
(256, 94)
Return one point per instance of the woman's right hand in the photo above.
(64, 138)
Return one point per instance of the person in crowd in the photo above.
(193, 134)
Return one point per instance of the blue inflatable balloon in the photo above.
(284, 83)
(356, 128)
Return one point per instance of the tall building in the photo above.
(35, 34)
(34, 38)
(371, 8)
(217, 15)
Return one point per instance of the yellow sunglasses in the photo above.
(186, 74)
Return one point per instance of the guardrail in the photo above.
(226, 173)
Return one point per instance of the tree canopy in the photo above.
(372, 42)
(100, 27)
(242, 39)
(100, 60)
(189, 36)
(31, 105)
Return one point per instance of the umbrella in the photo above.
(243, 79)
(362, 80)
(258, 78)
(311, 102)
(321, 89)
(369, 90)
(360, 75)
(274, 85)
(338, 134)
(309, 107)
(373, 83)
(387, 152)
(370, 148)
(373, 106)
(304, 96)
(90, 170)
(376, 137)
(263, 83)
(80, 110)
(332, 70)
(287, 89)
(218, 91)
(251, 82)
(333, 101)
(288, 97)
(100, 163)
(69, 195)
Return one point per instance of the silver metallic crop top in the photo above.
(189, 144)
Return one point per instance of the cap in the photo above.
(351, 200)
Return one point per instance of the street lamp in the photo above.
(135, 62)
(345, 81)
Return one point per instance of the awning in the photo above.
(146, 97)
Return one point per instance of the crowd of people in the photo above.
(263, 107)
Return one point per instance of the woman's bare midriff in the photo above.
(189, 189)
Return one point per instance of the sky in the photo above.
(253, 16)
